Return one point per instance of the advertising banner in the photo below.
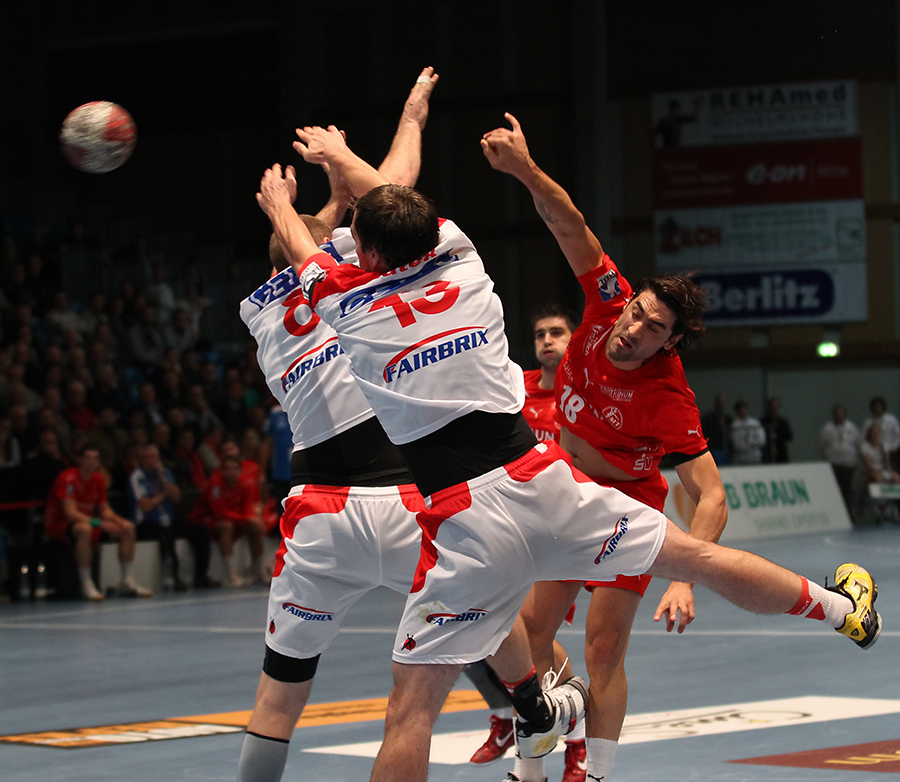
(770, 500)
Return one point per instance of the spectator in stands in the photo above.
(20, 394)
(10, 448)
(748, 438)
(145, 342)
(78, 513)
(49, 420)
(76, 367)
(160, 295)
(233, 410)
(23, 428)
(230, 506)
(889, 427)
(148, 404)
(161, 437)
(93, 314)
(110, 340)
(190, 367)
(778, 433)
(716, 425)
(155, 498)
(839, 442)
(169, 390)
(109, 438)
(75, 411)
(876, 468)
(41, 468)
(106, 391)
(208, 449)
(198, 413)
(178, 333)
(61, 316)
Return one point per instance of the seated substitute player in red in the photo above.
(230, 507)
(78, 513)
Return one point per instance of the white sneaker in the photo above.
(91, 593)
(567, 703)
(236, 582)
(130, 589)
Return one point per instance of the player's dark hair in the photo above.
(396, 221)
(685, 298)
(553, 310)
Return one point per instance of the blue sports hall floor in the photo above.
(149, 690)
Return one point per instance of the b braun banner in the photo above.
(769, 501)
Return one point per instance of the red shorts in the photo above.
(637, 584)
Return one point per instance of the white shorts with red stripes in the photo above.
(337, 544)
(486, 541)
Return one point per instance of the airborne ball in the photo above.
(98, 137)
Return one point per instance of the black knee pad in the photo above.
(289, 669)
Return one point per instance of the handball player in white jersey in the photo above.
(349, 520)
(424, 333)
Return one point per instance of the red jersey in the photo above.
(89, 495)
(631, 417)
(540, 408)
(231, 503)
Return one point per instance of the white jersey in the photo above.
(398, 327)
(305, 368)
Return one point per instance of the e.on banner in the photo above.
(770, 500)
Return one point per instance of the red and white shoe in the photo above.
(576, 762)
(501, 739)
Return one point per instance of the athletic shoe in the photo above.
(566, 702)
(863, 624)
(576, 761)
(513, 778)
(91, 593)
(501, 739)
(130, 589)
(237, 582)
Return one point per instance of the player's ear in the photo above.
(673, 341)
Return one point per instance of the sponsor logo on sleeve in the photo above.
(274, 289)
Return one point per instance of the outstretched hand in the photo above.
(416, 107)
(320, 145)
(506, 149)
(678, 599)
(276, 188)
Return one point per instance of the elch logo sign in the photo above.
(309, 614)
(319, 355)
(420, 355)
(802, 293)
(608, 286)
(472, 615)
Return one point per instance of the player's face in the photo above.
(643, 329)
(551, 337)
(90, 462)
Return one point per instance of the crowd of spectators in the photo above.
(117, 372)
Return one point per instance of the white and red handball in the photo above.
(98, 136)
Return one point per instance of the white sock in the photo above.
(503, 714)
(84, 573)
(529, 769)
(600, 756)
(577, 733)
(262, 759)
(816, 602)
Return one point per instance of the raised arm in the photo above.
(404, 159)
(507, 151)
(274, 198)
(327, 146)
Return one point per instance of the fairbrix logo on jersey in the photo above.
(319, 355)
(309, 614)
(418, 356)
(466, 616)
(610, 544)
(276, 288)
(386, 287)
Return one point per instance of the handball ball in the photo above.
(98, 137)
